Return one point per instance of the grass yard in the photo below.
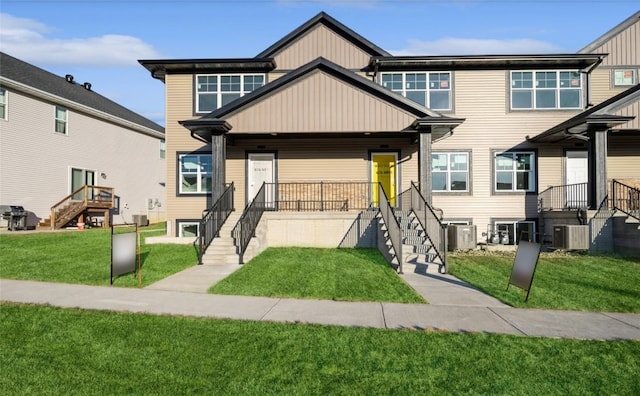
(84, 257)
(47, 350)
(327, 274)
(573, 282)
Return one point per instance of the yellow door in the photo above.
(384, 172)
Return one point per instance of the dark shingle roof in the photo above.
(22, 72)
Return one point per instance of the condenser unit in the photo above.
(461, 237)
(571, 237)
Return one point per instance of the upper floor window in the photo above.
(195, 173)
(61, 120)
(163, 149)
(450, 171)
(625, 77)
(432, 90)
(216, 90)
(515, 171)
(3, 104)
(546, 90)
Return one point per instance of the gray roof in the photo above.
(22, 72)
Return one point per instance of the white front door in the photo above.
(260, 169)
(577, 171)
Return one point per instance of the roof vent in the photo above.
(87, 86)
(69, 78)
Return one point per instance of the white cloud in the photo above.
(468, 46)
(27, 39)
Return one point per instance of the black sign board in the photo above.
(124, 250)
(524, 265)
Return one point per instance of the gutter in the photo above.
(588, 74)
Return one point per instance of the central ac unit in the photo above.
(571, 237)
(461, 237)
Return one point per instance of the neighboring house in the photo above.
(324, 108)
(58, 135)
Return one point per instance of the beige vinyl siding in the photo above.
(482, 98)
(602, 89)
(321, 42)
(179, 94)
(623, 161)
(623, 49)
(319, 103)
(315, 160)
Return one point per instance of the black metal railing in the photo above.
(245, 229)
(431, 223)
(319, 196)
(625, 199)
(567, 196)
(392, 225)
(213, 219)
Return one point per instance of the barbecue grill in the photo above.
(15, 215)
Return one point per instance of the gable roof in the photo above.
(326, 20)
(28, 75)
(425, 118)
(598, 117)
(611, 33)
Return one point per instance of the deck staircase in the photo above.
(80, 206)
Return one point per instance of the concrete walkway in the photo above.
(453, 306)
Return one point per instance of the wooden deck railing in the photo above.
(82, 199)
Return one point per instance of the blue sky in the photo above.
(100, 41)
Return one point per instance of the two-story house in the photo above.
(70, 153)
(324, 120)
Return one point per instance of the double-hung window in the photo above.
(61, 120)
(432, 89)
(3, 104)
(450, 172)
(515, 171)
(544, 89)
(216, 90)
(195, 173)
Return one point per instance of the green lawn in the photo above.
(573, 282)
(84, 257)
(328, 274)
(47, 350)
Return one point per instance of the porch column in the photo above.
(218, 161)
(424, 163)
(597, 185)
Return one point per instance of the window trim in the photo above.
(624, 69)
(219, 92)
(180, 222)
(556, 89)
(179, 192)
(427, 90)
(65, 121)
(468, 190)
(4, 104)
(513, 191)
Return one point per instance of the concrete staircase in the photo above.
(417, 248)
